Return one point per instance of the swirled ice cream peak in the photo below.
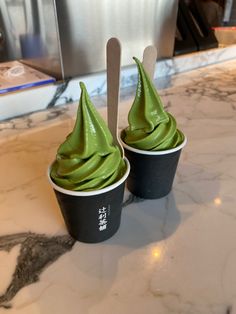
(87, 159)
(150, 126)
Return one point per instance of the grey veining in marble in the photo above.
(172, 255)
(60, 93)
(37, 252)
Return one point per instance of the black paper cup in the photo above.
(92, 216)
(152, 172)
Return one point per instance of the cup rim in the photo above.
(89, 193)
(160, 152)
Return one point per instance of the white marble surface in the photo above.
(173, 255)
(34, 99)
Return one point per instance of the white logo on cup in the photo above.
(102, 218)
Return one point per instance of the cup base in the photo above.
(146, 193)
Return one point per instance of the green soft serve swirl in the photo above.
(87, 160)
(150, 126)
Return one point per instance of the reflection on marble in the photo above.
(60, 93)
(39, 251)
(172, 255)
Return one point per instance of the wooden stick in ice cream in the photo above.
(149, 60)
(113, 88)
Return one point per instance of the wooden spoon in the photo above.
(149, 60)
(113, 88)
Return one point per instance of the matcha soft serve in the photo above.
(150, 127)
(88, 159)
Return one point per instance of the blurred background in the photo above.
(67, 38)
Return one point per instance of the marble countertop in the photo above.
(34, 99)
(172, 255)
